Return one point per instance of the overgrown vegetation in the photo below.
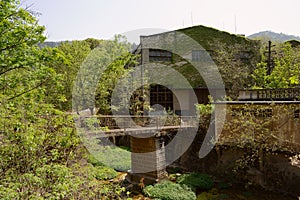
(196, 180)
(284, 68)
(41, 153)
(114, 157)
(169, 191)
(235, 57)
(259, 130)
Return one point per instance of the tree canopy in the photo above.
(39, 147)
(285, 68)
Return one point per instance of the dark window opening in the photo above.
(161, 95)
(156, 55)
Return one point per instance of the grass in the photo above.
(114, 157)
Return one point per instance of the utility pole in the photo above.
(269, 58)
(269, 62)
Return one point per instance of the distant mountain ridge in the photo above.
(50, 44)
(263, 35)
(270, 35)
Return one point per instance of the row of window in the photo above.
(160, 56)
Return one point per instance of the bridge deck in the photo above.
(138, 131)
(132, 125)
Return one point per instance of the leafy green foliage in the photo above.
(204, 35)
(19, 32)
(205, 111)
(92, 160)
(41, 155)
(115, 157)
(285, 71)
(19, 53)
(235, 57)
(36, 158)
(70, 56)
(104, 173)
(169, 191)
(236, 63)
(99, 171)
(259, 129)
(99, 73)
(258, 126)
(94, 43)
(196, 180)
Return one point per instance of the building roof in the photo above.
(209, 39)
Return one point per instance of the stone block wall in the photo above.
(147, 159)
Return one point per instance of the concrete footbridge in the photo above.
(148, 148)
(119, 125)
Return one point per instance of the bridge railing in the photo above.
(112, 122)
(270, 94)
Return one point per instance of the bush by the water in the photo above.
(196, 180)
(167, 190)
(104, 173)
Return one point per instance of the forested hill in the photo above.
(50, 44)
(269, 35)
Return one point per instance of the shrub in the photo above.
(223, 185)
(114, 157)
(196, 180)
(55, 180)
(92, 160)
(167, 190)
(104, 173)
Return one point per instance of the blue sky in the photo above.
(80, 19)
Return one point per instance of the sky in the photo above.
(102, 19)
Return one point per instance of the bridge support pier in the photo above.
(147, 160)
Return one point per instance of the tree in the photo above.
(19, 33)
(285, 71)
(71, 54)
(39, 147)
(99, 74)
(94, 43)
(235, 62)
